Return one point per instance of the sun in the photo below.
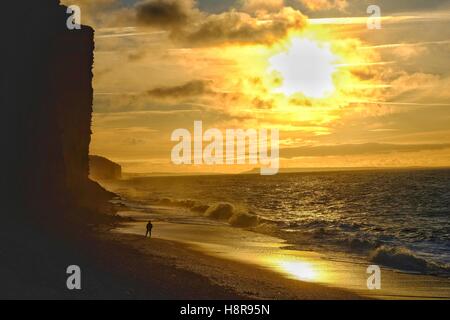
(307, 67)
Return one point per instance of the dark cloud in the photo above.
(164, 13)
(187, 24)
(189, 89)
(358, 149)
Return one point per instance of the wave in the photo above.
(404, 259)
(223, 211)
(346, 235)
(220, 211)
(361, 245)
(234, 217)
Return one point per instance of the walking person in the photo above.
(149, 230)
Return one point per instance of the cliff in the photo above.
(101, 168)
(46, 99)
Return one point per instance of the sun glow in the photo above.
(299, 270)
(307, 67)
(303, 83)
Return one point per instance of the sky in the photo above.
(340, 94)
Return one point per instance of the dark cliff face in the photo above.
(46, 101)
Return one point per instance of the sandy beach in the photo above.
(224, 278)
(183, 261)
(125, 266)
(263, 267)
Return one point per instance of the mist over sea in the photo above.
(397, 218)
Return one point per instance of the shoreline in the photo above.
(127, 266)
(218, 244)
(262, 254)
(243, 280)
(398, 241)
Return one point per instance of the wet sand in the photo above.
(118, 265)
(265, 267)
(182, 261)
(243, 280)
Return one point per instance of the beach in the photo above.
(220, 251)
(315, 229)
(266, 268)
(183, 261)
(185, 272)
(116, 265)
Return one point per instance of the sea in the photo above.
(397, 218)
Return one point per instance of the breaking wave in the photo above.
(222, 211)
(311, 232)
(404, 259)
(235, 217)
(396, 219)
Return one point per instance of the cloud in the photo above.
(256, 21)
(357, 149)
(317, 5)
(189, 89)
(259, 103)
(417, 84)
(165, 13)
(252, 6)
(187, 24)
(240, 27)
(358, 7)
(409, 52)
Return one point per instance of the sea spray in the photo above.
(234, 216)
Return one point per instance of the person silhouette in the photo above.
(149, 229)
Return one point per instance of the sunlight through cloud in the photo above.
(306, 67)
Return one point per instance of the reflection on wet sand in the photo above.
(299, 270)
(274, 254)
